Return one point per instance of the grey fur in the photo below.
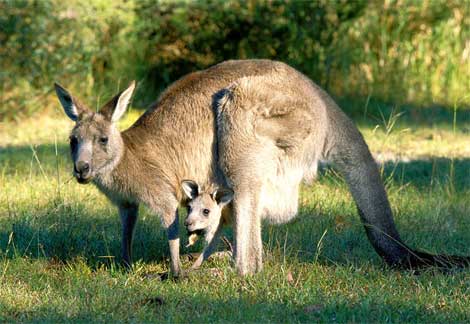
(256, 126)
(208, 212)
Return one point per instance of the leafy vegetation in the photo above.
(397, 51)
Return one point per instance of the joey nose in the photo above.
(188, 223)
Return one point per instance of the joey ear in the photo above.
(190, 188)
(71, 106)
(224, 196)
(114, 109)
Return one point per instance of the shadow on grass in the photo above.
(368, 112)
(426, 174)
(185, 306)
(65, 233)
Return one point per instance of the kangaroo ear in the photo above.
(190, 188)
(223, 196)
(114, 109)
(214, 194)
(71, 106)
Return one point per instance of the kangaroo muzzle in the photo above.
(194, 226)
(82, 171)
(82, 167)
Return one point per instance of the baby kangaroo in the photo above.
(206, 215)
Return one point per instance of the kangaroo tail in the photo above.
(347, 150)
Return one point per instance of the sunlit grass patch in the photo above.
(60, 243)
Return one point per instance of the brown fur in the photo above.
(209, 210)
(256, 126)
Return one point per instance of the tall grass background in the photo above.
(403, 51)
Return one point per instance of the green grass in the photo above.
(59, 241)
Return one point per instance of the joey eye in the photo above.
(103, 140)
(189, 209)
(206, 212)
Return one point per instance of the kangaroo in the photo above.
(256, 126)
(206, 215)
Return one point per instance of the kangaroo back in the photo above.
(272, 130)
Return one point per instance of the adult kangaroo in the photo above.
(257, 126)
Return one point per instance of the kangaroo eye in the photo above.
(73, 140)
(189, 209)
(103, 140)
(206, 211)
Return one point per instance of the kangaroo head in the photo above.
(204, 207)
(95, 142)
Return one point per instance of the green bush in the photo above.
(400, 51)
(181, 37)
(414, 51)
(42, 41)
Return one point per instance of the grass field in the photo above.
(59, 240)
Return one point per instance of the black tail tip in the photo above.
(420, 260)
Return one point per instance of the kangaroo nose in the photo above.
(82, 167)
